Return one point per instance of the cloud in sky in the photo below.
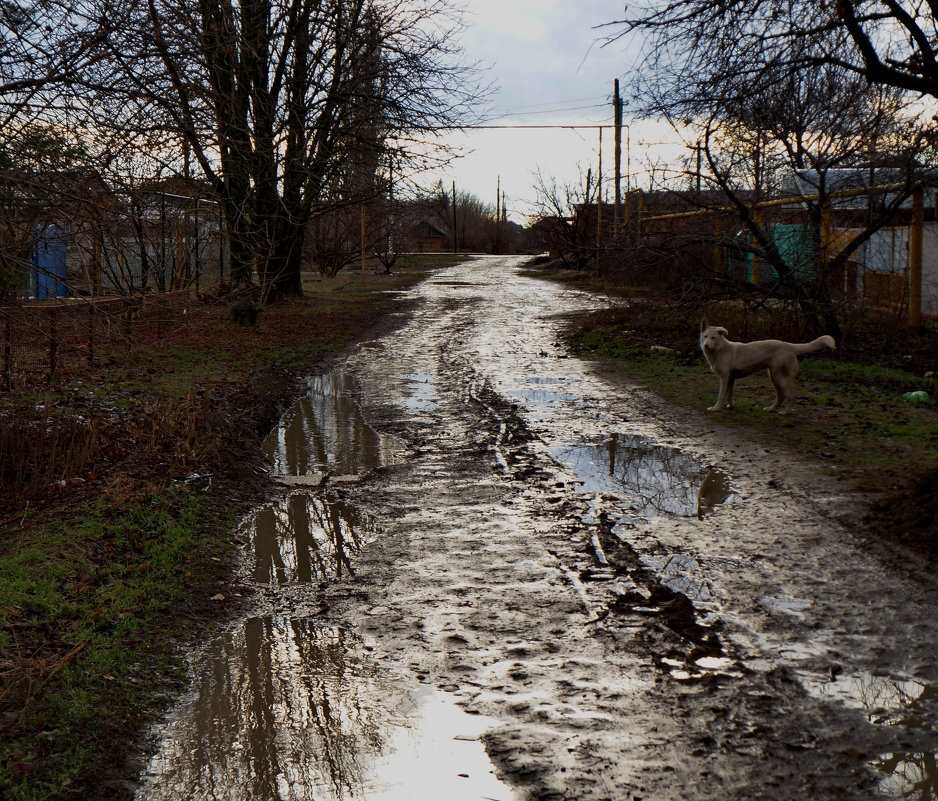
(546, 60)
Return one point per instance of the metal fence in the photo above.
(45, 341)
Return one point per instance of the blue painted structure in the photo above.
(49, 259)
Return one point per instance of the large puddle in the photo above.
(655, 478)
(325, 432)
(307, 537)
(283, 710)
(905, 703)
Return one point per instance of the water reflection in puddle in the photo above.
(307, 538)
(324, 431)
(285, 710)
(905, 703)
(913, 776)
(539, 395)
(540, 390)
(714, 491)
(659, 479)
(420, 394)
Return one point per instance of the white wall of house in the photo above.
(930, 270)
(887, 251)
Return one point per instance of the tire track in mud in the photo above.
(767, 716)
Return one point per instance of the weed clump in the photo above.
(245, 312)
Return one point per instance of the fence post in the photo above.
(363, 238)
(825, 233)
(8, 351)
(718, 265)
(915, 257)
(198, 262)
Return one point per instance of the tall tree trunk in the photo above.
(280, 271)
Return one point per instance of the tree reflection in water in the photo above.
(894, 702)
(910, 775)
(284, 710)
(658, 479)
(324, 431)
(307, 538)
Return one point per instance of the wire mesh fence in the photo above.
(45, 341)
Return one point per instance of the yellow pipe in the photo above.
(784, 201)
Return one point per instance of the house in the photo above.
(428, 238)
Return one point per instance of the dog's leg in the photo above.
(726, 388)
(730, 386)
(782, 378)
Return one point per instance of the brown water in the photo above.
(283, 709)
(307, 537)
(657, 479)
(325, 432)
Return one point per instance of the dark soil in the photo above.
(911, 515)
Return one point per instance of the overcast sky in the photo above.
(548, 66)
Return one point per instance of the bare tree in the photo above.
(561, 217)
(473, 222)
(777, 111)
(284, 107)
(887, 42)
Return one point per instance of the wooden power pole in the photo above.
(617, 115)
(455, 248)
(498, 216)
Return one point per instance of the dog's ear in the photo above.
(721, 330)
(704, 325)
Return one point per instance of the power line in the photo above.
(559, 102)
(490, 127)
(551, 110)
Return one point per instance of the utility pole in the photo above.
(617, 118)
(455, 249)
(498, 216)
(599, 194)
(505, 220)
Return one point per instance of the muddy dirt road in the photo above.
(497, 573)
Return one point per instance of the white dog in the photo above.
(731, 360)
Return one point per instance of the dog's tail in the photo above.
(825, 341)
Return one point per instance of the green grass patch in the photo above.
(91, 594)
(89, 597)
(849, 416)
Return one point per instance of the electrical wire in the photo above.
(508, 126)
(558, 102)
(550, 111)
